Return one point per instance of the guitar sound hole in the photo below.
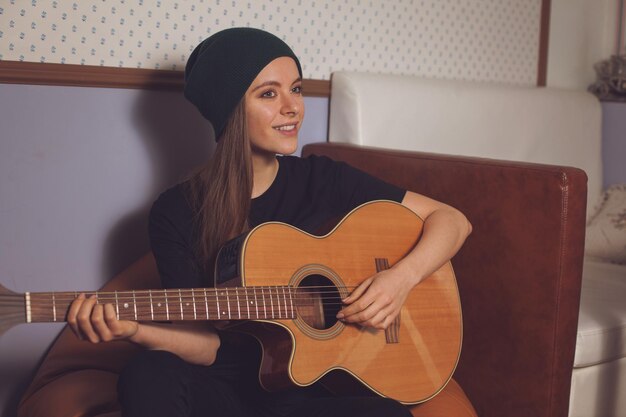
(318, 302)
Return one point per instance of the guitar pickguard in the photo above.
(227, 266)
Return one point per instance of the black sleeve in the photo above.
(171, 238)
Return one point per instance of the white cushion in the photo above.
(543, 125)
(599, 390)
(602, 321)
(606, 230)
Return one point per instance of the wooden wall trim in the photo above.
(14, 72)
(544, 39)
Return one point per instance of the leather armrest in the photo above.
(85, 372)
(77, 393)
(519, 273)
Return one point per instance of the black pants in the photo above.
(157, 383)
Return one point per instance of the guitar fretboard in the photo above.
(236, 303)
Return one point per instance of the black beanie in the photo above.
(222, 67)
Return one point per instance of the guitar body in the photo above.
(411, 361)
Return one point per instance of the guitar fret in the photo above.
(29, 314)
(193, 301)
(54, 307)
(247, 302)
(135, 305)
(167, 306)
(290, 300)
(271, 303)
(206, 305)
(256, 302)
(117, 305)
(238, 305)
(278, 303)
(285, 299)
(217, 299)
(180, 300)
(228, 303)
(264, 306)
(151, 306)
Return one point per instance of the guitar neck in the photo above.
(236, 303)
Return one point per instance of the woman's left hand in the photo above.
(377, 301)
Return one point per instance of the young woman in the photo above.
(247, 83)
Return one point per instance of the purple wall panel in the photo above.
(79, 169)
(614, 143)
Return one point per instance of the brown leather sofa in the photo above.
(519, 276)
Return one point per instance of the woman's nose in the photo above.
(291, 105)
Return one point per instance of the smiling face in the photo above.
(274, 109)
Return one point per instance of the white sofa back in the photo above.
(542, 125)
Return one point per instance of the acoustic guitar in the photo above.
(284, 287)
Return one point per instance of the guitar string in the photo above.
(199, 295)
(187, 303)
(186, 298)
(329, 302)
(61, 295)
(300, 295)
(215, 294)
(251, 287)
(201, 310)
(201, 313)
(176, 301)
(290, 294)
(301, 302)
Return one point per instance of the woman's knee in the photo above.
(152, 366)
(154, 380)
(387, 407)
(359, 406)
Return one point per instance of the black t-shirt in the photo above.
(306, 193)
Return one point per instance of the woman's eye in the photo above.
(297, 90)
(268, 94)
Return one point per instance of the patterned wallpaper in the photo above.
(490, 40)
(620, 49)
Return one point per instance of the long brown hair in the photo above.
(220, 192)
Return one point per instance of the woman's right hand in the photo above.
(97, 322)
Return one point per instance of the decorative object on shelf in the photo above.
(606, 231)
(611, 79)
(610, 82)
